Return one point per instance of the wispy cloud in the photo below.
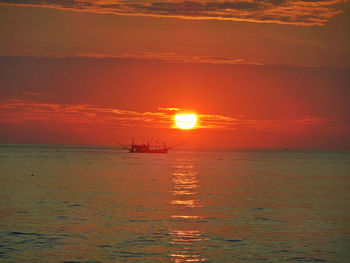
(20, 111)
(169, 109)
(298, 12)
(157, 56)
(239, 122)
(173, 57)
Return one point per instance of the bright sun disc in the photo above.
(185, 121)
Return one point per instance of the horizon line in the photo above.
(186, 148)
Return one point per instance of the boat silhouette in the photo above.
(148, 148)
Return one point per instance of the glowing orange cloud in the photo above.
(19, 111)
(302, 12)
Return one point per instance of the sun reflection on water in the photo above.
(186, 236)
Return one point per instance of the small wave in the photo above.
(281, 251)
(234, 240)
(269, 219)
(128, 254)
(74, 205)
(304, 259)
(15, 233)
(263, 218)
(104, 246)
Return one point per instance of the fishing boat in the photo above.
(148, 148)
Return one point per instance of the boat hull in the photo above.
(149, 151)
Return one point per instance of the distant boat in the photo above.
(147, 148)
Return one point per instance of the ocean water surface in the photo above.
(102, 204)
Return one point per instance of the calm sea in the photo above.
(102, 204)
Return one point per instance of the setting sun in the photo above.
(185, 121)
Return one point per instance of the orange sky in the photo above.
(101, 72)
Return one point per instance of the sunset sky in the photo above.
(258, 74)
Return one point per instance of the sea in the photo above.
(104, 204)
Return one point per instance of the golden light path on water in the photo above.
(187, 236)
